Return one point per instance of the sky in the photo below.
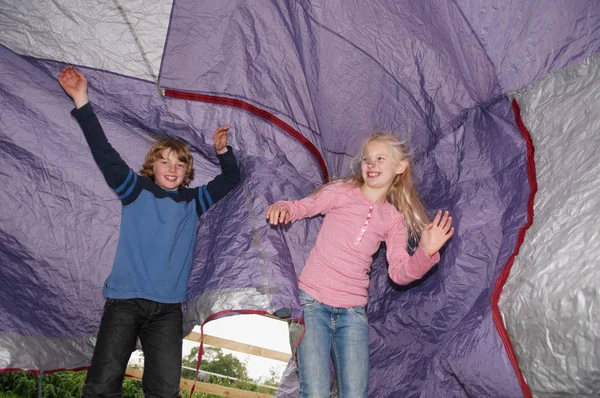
(256, 330)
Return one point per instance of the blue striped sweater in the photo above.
(158, 227)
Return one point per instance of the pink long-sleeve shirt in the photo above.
(336, 270)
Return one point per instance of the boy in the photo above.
(148, 281)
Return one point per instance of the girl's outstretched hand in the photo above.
(436, 233)
(277, 214)
(75, 84)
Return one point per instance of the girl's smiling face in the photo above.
(378, 166)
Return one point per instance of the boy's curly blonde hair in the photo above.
(183, 154)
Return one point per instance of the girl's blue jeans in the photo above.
(341, 334)
(160, 330)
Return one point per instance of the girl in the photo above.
(377, 204)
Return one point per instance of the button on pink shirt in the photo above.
(336, 270)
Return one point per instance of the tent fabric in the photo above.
(124, 37)
(437, 74)
(553, 321)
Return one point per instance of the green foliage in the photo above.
(8, 395)
(21, 384)
(63, 384)
(215, 361)
(273, 379)
(69, 384)
(132, 389)
(55, 385)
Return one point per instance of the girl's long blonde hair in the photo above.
(402, 193)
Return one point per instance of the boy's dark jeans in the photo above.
(159, 327)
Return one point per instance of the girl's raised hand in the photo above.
(75, 84)
(277, 214)
(436, 233)
(220, 139)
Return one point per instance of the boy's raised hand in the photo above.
(436, 233)
(221, 139)
(75, 84)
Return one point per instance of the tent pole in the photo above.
(41, 376)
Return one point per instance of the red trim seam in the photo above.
(236, 103)
(501, 281)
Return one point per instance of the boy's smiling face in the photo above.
(169, 171)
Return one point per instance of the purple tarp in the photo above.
(435, 73)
